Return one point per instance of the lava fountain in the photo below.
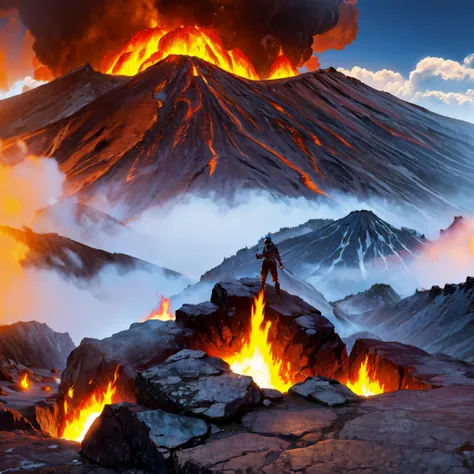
(152, 45)
(256, 359)
(365, 385)
(79, 421)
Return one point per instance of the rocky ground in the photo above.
(186, 411)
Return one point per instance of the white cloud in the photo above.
(442, 85)
(19, 87)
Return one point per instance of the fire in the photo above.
(364, 385)
(282, 68)
(163, 313)
(256, 359)
(24, 382)
(80, 420)
(152, 45)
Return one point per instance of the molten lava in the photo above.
(163, 313)
(24, 382)
(364, 385)
(150, 46)
(256, 359)
(80, 420)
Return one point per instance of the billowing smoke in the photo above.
(69, 34)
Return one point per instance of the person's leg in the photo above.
(274, 272)
(263, 275)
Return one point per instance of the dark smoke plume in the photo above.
(69, 33)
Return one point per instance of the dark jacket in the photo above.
(270, 254)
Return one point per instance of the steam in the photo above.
(67, 36)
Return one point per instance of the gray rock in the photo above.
(280, 422)
(244, 452)
(194, 383)
(274, 396)
(130, 436)
(324, 391)
(35, 344)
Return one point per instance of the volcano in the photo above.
(186, 126)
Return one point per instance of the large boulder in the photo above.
(191, 382)
(128, 435)
(35, 344)
(300, 336)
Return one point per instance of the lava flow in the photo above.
(364, 385)
(163, 313)
(80, 420)
(256, 359)
(150, 46)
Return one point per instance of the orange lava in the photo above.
(364, 385)
(152, 45)
(80, 420)
(256, 359)
(282, 68)
(24, 382)
(163, 313)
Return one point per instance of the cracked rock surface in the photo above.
(191, 382)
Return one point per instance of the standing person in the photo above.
(271, 257)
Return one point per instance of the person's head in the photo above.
(267, 240)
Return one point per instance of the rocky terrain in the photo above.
(423, 424)
(439, 320)
(323, 133)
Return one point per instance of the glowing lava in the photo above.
(163, 313)
(151, 46)
(256, 359)
(364, 385)
(80, 420)
(24, 382)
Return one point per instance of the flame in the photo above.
(256, 359)
(24, 382)
(152, 45)
(282, 68)
(163, 313)
(364, 385)
(80, 420)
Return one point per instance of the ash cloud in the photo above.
(69, 34)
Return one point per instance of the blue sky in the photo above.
(419, 50)
(396, 34)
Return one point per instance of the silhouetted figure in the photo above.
(271, 257)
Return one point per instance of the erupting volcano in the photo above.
(151, 46)
(256, 358)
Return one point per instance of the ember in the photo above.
(162, 313)
(364, 385)
(24, 382)
(80, 420)
(256, 359)
(151, 46)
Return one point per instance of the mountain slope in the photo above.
(44, 105)
(438, 320)
(73, 259)
(184, 125)
(359, 241)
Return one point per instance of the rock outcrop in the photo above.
(193, 383)
(11, 420)
(301, 337)
(34, 344)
